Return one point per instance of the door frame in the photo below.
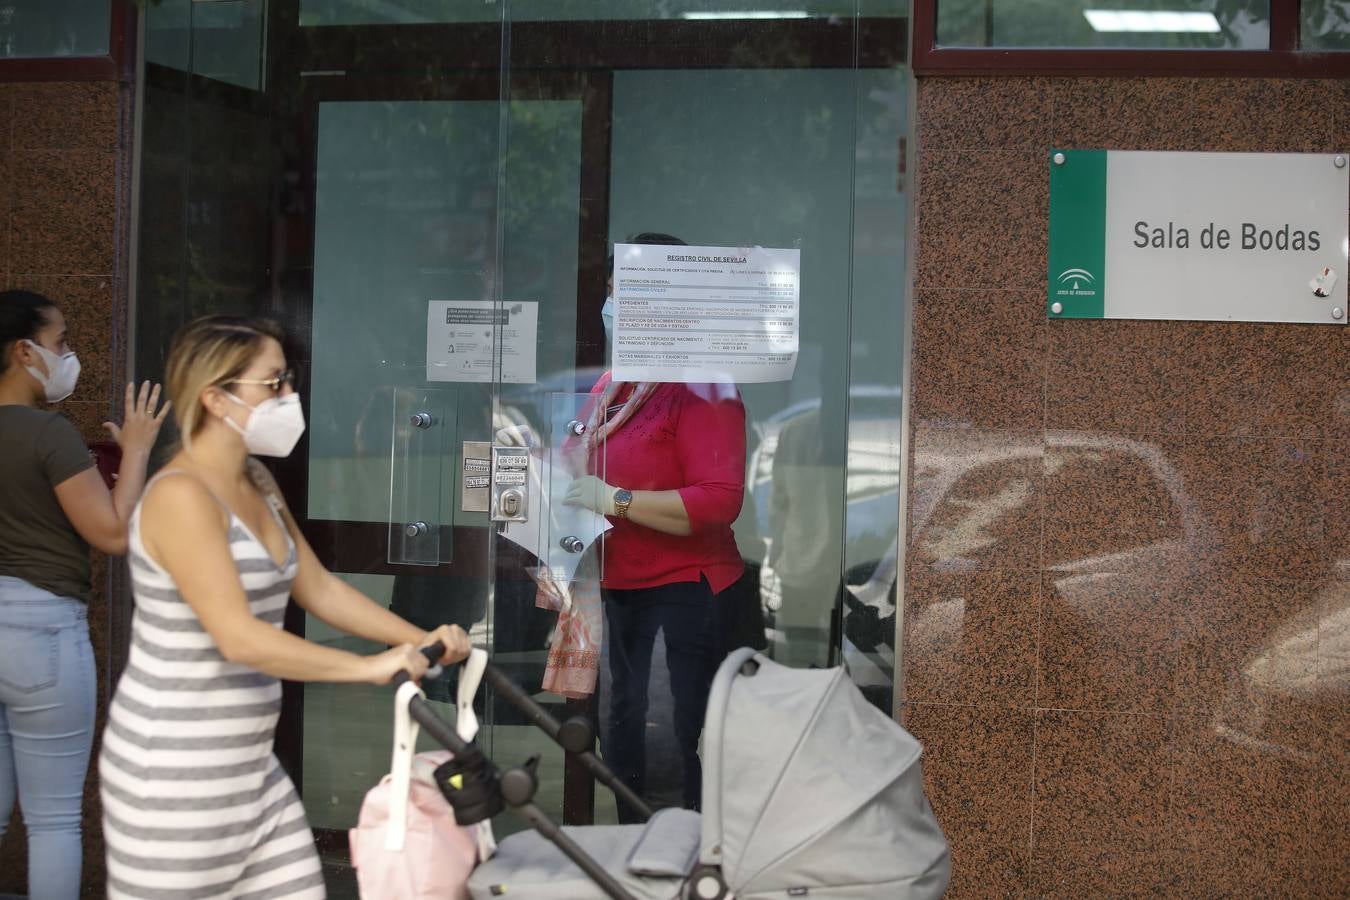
(548, 60)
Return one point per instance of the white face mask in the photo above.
(607, 316)
(274, 426)
(62, 373)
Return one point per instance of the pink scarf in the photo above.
(600, 425)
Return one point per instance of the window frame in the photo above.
(1284, 58)
(118, 64)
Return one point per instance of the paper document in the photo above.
(463, 336)
(705, 314)
(550, 520)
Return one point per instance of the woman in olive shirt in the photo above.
(53, 506)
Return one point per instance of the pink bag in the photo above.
(406, 844)
(437, 854)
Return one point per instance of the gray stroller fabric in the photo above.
(807, 787)
(527, 865)
(808, 791)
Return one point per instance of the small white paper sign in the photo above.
(462, 334)
(705, 314)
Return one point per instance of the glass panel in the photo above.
(349, 727)
(420, 490)
(54, 28)
(569, 532)
(1153, 24)
(416, 12)
(805, 159)
(404, 217)
(207, 172)
(224, 40)
(1324, 24)
(760, 160)
(872, 511)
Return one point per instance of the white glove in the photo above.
(591, 493)
(515, 436)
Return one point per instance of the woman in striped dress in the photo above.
(195, 804)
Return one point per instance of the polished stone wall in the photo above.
(64, 163)
(1127, 618)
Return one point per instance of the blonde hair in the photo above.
(207, 352)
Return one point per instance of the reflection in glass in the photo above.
(1324, 24)
(221, 41)
(54, 28)
(421, 12)
(1155, 24)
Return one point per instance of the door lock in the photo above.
(510, 501)
(415, 529)
(572, 544)
(421, 420)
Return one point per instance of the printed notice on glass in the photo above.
(462, 337)
(705, 314)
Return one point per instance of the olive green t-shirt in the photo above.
(38, 451)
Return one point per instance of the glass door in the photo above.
(431, 358)
(476, 219)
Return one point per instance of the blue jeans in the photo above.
(689, 615)
(46, 729)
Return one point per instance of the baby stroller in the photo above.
(808, 791)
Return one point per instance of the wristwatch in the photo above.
(622, 499)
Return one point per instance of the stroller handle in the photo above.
(440, 730)
(432, 652)
(563, 736)
(423, 712)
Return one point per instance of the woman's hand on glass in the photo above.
(141, 419)
(453, 639)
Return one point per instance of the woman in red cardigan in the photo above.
(667, 467)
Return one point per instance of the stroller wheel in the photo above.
(706, 884)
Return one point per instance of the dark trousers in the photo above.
(688, 614)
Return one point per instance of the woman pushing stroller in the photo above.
(195, 803)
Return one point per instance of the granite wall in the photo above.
(64, 174)
(1127, 617)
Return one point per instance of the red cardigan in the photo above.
(690, 438)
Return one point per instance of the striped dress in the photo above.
(195, 805)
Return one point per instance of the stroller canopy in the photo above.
(806, 785)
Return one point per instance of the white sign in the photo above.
(462, 334)
(1251, 237)
(705, 314)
